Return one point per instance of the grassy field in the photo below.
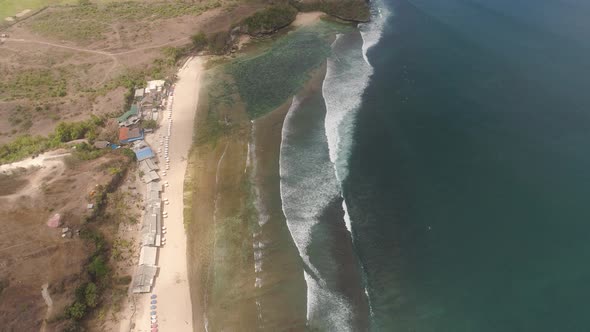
(90, 22)
(13, 7)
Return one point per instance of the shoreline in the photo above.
(171, 284)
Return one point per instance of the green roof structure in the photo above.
(134, 110)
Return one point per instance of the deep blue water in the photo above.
(469, 177)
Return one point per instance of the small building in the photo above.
(154, 86)
(150, 176)
(127, 135)
(133, 111)
(133, 119)
(139, 94)
(143, 280)
(144, 153)
(101, 144)
(148, 256)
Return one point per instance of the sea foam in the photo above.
(309, 186)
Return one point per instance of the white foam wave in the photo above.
(347, 220)
(371, 31)
(326, 311)
(303, 202)
(347, 77)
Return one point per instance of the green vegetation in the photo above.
(13, 7)
(99, 278)
(34, 84)
(267, 80)
(351, 10)
(221, 95)
(199, 41)
(270, 19)
(27, 145)
(85, 151)
(69, 131)
(87, 23)
(219, 42)
(149, 124)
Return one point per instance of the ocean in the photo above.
(439, 180)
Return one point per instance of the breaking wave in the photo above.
(312, 168)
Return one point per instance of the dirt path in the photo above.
(111, 55)
(49, 302)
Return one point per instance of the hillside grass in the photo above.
(87, 23)
(34, 84)
(13, 7)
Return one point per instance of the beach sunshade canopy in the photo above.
(153, 296)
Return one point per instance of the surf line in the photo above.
(263, 217)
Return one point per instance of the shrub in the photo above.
(150, 124)
(91, 295)
(218, 42)
(86, 151)
(199, 41)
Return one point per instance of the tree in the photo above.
(150, 124)
(98, 268)
(63, 132)
(76, 311)
(199, 41)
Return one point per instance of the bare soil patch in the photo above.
(31, 253)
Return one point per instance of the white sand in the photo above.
(174, 309)
(307, 19)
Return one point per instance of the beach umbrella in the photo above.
(153, 312)
(154, 302)
(153, 307)
(153, 296)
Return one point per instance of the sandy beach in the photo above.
(174, 309)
